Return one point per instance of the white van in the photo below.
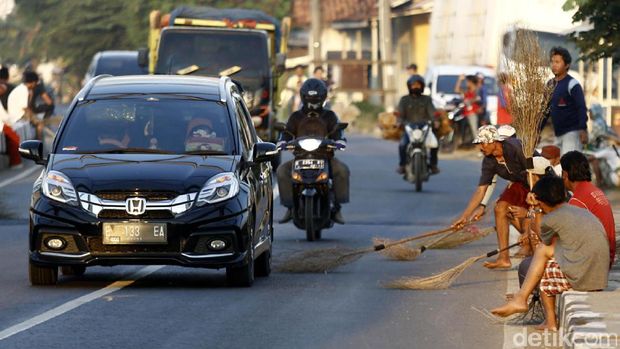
(440, 81)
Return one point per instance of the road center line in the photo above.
(20, 176)
(73, 304)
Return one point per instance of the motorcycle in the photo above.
(313, 198)
(421, 139)
(460, 133)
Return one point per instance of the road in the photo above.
(174, 307)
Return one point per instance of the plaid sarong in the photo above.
(553, 281)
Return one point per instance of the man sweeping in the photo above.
(502, 157)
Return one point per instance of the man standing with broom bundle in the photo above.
(567, 107)
(502, 157)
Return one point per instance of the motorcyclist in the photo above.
(415, 108)
(313, 93)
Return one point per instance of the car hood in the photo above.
(92, 173)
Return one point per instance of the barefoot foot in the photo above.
(498, 264)
(512, 307)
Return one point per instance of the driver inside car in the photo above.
(201, 136)
(313, 94)
(112, 135)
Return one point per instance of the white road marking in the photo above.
(20, 176)
(73, 304)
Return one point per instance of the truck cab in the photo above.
(246, 45)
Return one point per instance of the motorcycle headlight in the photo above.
(219, 188)
(58, 187)
(416, 135)
(310, 144)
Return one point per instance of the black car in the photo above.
(115, 63)
(153, 170)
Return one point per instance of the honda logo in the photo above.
(135, 206)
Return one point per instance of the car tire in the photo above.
(42, 276)
(263, 264)
(242, 276)
(73, 270)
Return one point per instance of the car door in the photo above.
(252, 174)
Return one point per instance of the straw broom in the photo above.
(324, 260)
(531, 91)
(442, 280)
(406, 252)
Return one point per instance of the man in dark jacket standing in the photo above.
(415, 108)
(567, 108)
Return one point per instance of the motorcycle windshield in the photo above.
(312, 127)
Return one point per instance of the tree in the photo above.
(603, 39)
(74, 30)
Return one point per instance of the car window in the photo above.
(445, 84)
(151, 124)
(243, 125)
(119, 65)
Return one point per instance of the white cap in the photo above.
(540, 165)
(506, 131)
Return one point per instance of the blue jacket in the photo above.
(567, 108)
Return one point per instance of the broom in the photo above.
(409, 253)
(323, 260)
(442, 280)
(531, 91)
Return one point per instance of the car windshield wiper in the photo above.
(128, 151)
(206, 152)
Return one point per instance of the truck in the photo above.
(247, 45)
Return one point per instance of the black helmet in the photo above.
(313, 94)
(415, 78)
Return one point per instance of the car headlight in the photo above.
(219, 188)
(310, 144)
(57, 186)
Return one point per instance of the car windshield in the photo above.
(147, 125)
(445, 84)
(243, 54)
(119, 66)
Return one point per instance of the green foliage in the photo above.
(74, 30)
(603, 40)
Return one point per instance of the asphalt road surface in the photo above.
(174, 307)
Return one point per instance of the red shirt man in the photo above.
(577, 178)
(587, 195)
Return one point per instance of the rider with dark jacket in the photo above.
(303, 123)
(415, 108)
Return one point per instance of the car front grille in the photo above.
(122, 196)
(119, 214)
(95, 245)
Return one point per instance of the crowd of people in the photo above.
(31, 107)
(566, 223)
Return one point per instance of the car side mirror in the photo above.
(264, 152)
(143, 57)
(32, 150)
(280, 63)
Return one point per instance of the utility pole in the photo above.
(385, 33)
(315, 33)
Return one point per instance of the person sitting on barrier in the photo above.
(573, 253)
